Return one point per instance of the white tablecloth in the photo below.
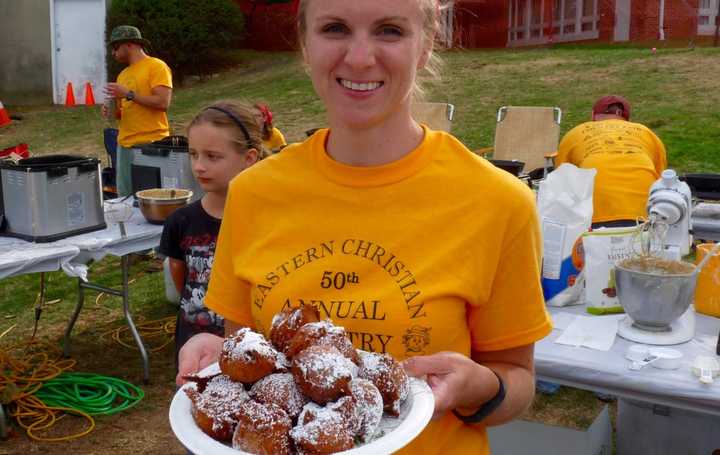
(73, 253)
(18, 256)
(608, 371)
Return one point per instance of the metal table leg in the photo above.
(4, 426)
(125, 295)
(128, 317)
(73, 318)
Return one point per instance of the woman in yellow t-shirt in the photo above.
(398, 233)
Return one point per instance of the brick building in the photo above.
(500, 23)
(510, 23)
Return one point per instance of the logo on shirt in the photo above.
(416, 339)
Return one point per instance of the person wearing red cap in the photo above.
(273, 139)
(628, 157)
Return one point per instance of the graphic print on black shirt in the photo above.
(190, 235)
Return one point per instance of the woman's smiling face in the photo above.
(363, 57)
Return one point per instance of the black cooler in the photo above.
(51, 197)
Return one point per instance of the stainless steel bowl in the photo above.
(158, 203)
(654, 293)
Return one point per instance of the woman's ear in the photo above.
(251, 157)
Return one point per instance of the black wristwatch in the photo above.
(487, 408)
(130, 95)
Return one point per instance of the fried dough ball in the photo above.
(247, 357)
(322, 333)
(389, 377)
(323, 373)
(322, 430)
(280, 389)
(368, 408)
(262, 429)
(286, 323)
(216, 409)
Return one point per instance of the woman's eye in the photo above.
(390, 31)
(213, 157)
(335, 27)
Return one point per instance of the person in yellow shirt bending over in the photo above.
(273, 139)
(142, 92)
(417, 246)
(628, 158)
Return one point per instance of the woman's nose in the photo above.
(360, 52)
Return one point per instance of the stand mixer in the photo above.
(670, 204)
(658, 303)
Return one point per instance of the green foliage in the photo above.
(189, 35)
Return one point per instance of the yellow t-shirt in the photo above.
(275, 141)
(140, 124)
(628, 158)
(438, 251)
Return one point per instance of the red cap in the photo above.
(265, 112)
(603, 103)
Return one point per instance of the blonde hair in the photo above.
(226, 114)
(431, 32)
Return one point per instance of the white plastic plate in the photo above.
(393, 433)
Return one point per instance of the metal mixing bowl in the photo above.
(652, 296)
(158, 203)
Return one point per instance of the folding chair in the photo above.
(527, 133)
(437, 116)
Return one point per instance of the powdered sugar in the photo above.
(368, 407)
(318, 426)
(324, 367)
(280, 389)
(245, 345)
(221, 400)
(388, 376)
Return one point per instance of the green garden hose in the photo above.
(90, 393)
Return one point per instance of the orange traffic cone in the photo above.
(89, 97)
(4, 116)
(69, 95)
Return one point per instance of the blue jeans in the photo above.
(123, 172)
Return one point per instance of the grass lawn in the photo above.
(673, 92)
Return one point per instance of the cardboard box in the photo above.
(531, 438)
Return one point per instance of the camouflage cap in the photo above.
(127, 33)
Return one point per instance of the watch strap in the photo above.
(487, 408)
(130, 95)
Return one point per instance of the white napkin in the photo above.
(594, 332)
(561, 321)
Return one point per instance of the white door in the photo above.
(622, 20)
(707, 10)
(79, 42)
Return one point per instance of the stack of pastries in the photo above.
(304, 391)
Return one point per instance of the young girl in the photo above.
(379, 198)
(224, 139)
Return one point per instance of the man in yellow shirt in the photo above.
(143, 91)
(628, 158)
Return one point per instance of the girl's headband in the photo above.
(237, 121)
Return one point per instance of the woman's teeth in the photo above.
(360, 86)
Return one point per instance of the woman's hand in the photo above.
(457, 381)
(200, 351)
